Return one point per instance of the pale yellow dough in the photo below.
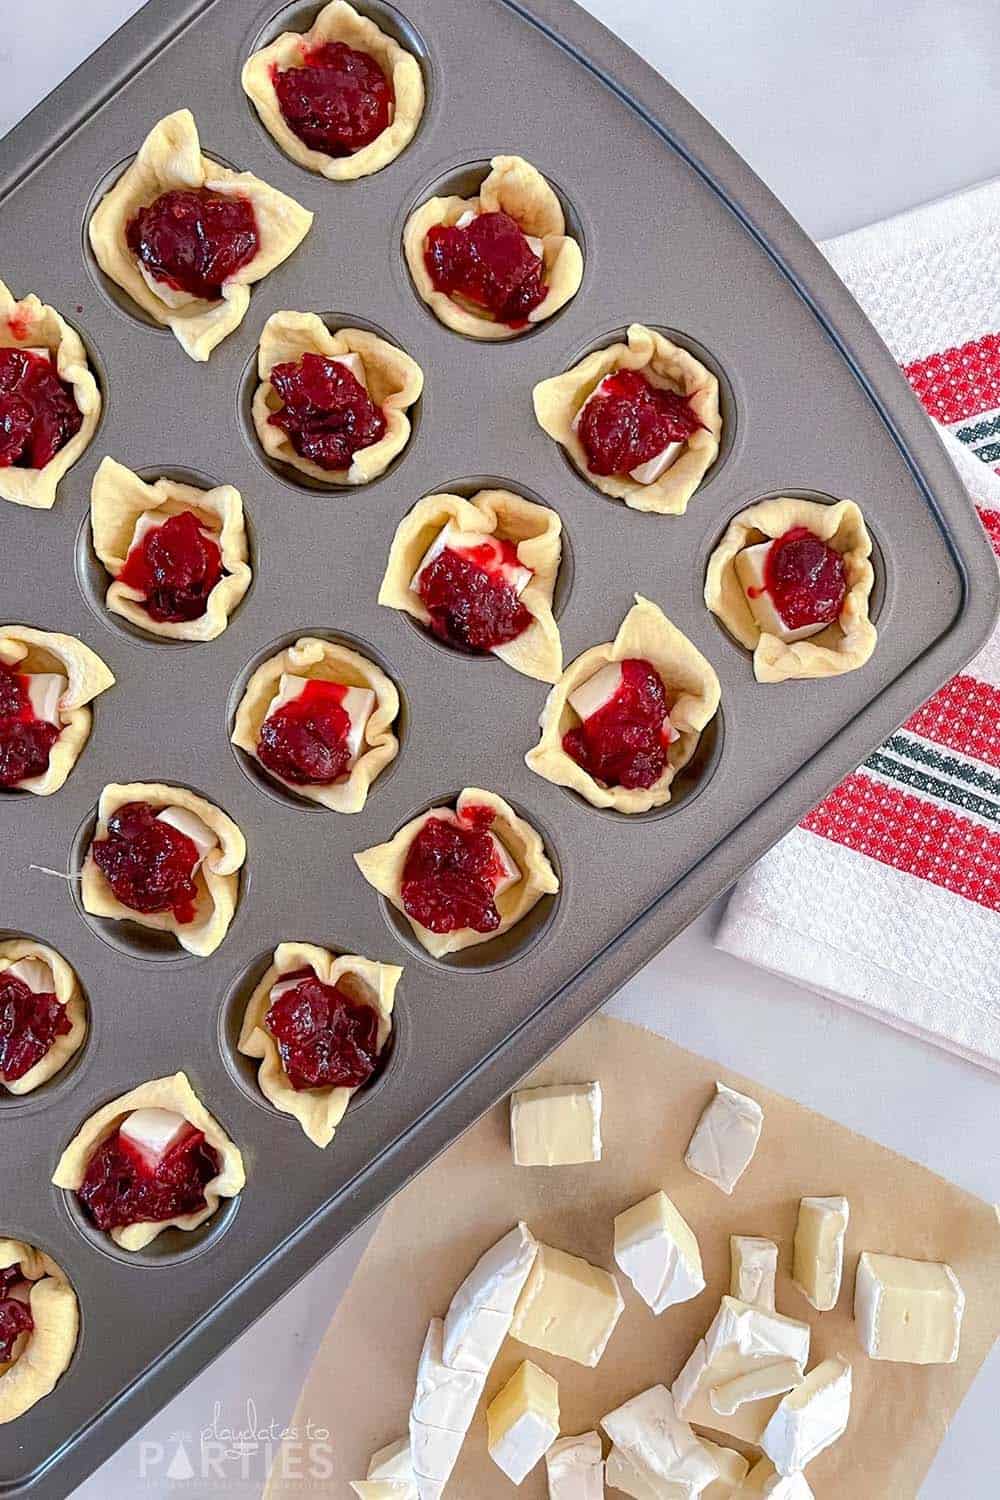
(558, 400)
(49, 1346)
(31, 324)
(382, 867)
(118, 498)
(394, 381)
(217, 880)
(173, 1093)
(689, 679)
(518, 189)
(841, 647)
(537, 532)
(66, 988)
(330, 662)
(29, 650)
(318, 1111)
(171, 158)
(339, 22)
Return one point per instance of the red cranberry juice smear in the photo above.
(15, 1316)
(29, 1024)
(25, 741)
(175, 567)
(488, 262)
(119, 1189)
(38, 414)
(623, 744)
(470, 607)
(339, 101)
(305, 741)
(328, 415)
(632, 421)
(326, 1038)
(194, 240)
(450, 875)
(805, 578)
(148, 864)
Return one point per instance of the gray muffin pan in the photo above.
(677, 233)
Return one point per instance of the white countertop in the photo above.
(850, 110)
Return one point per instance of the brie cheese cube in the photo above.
(733, 1469)
(909, 1311)
(510, 872)
(764, 1479)
(741, 1339)
(725, 1138)
(750, 571)
(490, 556)
(170, 296)
(384, 1489)
(523, 1421)
(392, 1462)
(33, 972)
(433, 1453)
(755, 1385)
(818, 1264)
(357, 703)
(661, 1450)
(556, 1126)
(568, 1307)
(354, 364)
(479, 1318)
(650, 471)
(575, 1468)
(596, 692)
(44, 691)
(192, 827)
(622, 1474)
(658, 1251)
(810, 1418)
(754, 1270)
(153, 1132)
(444, 1397)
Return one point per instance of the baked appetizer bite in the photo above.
(319, 718)
(186, 238)
(49, 400)
(43, 1016)
(640, 420)
(39, 1324)
(480, 575)
(494, 265)
(791, 580)
(332, 405)
(462, 875)
(177, 554)
(320, 1024)
(47, 681)
(151, 1160)
(343, 98)
(625, 717)
(167, 859)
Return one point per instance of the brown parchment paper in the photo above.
(361, 1384)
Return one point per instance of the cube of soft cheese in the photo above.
(658, 1251)
(558, 1125)
(622, 1474)
(357, 703)
(392, 1462)
(33, 972)
(750, 566)
(660, 1449)
(44, 691)
(598, 691)
(489, 556)
(725, 1138)
(818, 1264)
(354, 364)
(733, 1468)
(523, 1421)
(765, 1480)
(741, 1340)
(568, 1307)
(444, 1397)
(479, 1317)
(754, 1270)
(575, 1468)
(810, 1418)
(192, 827)
(153, 1133)
(908, 1311)
(650, 471)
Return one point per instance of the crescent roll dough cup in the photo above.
(842, 646)
(173, 1093)
(31, 324)
(217, 880)
(318, 1111)
(28, 650)
(170, 158)
(515, 187)
(118, 498)
(689, 679)
(382, 867)
(66, 988)
(339, 22)
(559, 399)
(329, 662)
(537, 533)
(394, 381)
(48, 1348)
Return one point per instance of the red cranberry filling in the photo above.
(328, 415)
(306, 740)
(488, 262)
(148, 864)
(29, 1024)
(470, 607)
(623, 743)
(194, 240)
(25, 742)
(120, 1189)
(176, 567)
(805, 578)
(339, 101)
(38, 414)
(15, 1316)
(450, 875)
(631, 421)
(326, 1039)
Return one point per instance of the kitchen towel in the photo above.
(887, 896)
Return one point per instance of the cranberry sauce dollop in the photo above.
(175, 567)
(470, 602)
(326, 1038)
(337, 102)
(29, 1024)
(119, 1188)
(15, 1316)
(489, 263)
(625, 743)
(805, 578)
(450, 874)
(631, 421)
(305, 741)
(25, 741)
(38, 414)
(148, 864)
(328, 415)
(194, 240)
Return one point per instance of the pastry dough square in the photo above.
(29, 650)
(50, 1344)
(66, 988)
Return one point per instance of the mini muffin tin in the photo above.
(677, 233)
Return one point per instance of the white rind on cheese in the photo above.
(433, 1453)
(192, 827)
(445, 1397)
(755, 1385)
(818, 1263)
(650, 471)
(153, 1132)
(523, 1421)
(479, 1318)
(659, 1445)
(754, 1270)
(597, 691)
(765, 1480)
(454, 539)
(733, 1468)
(725, 1138)
(35, 973)
(658, 1251)
(908, 1311)
(575, 1468)
(622, 1474)
(810, 1418)
(749, 566)
(740, 1339)
(558, 1125)
(44, 691)
(568, 1307)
